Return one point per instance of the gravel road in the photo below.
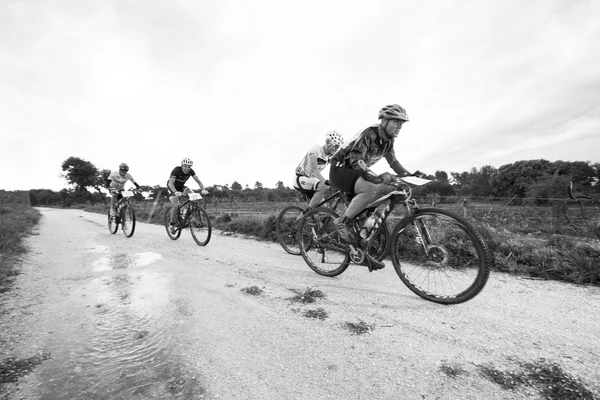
(102, 316)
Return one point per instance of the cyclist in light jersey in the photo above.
(116, 182)
(308, 173)
(176, 187)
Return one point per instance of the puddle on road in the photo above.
(124, 348)
(122, 261)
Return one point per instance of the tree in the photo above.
(441, 176)
(236, 186)
(258, 185)
(80, 173)
(279, 185)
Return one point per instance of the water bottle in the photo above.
(369, 223)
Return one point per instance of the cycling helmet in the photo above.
(393, 111)
(186, 162)
(335, 137)
(123, 166)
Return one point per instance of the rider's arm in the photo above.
(171, 184)
(312, 168)
(198, 181)
(395, 164)
(133, 181)
(108, 182)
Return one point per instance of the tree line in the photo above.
(541, 180)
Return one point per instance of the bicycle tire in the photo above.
(128, 220)
(320, 244)
(113, 225)
(172, 236)
(200, 225)
(286, 225)
(457, 266)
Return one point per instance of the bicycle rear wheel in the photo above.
(113, 225)
(287, 224)
(128, 220)
(439, 256)
(200, 226)
(177, 232)
(320, 244)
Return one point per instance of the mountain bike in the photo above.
(288, 222)
(437, 254)
(125, 215)
(190, 213)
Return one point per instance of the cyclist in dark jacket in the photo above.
(349, 168)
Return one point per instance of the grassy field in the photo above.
(17, 219)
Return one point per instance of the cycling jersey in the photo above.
(117, 182)
(366, 146)
(180, 178)
(305, 168)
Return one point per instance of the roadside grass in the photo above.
(551, 257)
(307, 296)
(359, 328)
(252, 290)
(548, 379)
(318, 313)
(16, 222)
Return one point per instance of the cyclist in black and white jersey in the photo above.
(308, 173)
(176, 186)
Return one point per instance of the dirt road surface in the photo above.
(100, 316)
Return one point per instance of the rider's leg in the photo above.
(320, 190)
(175, 203)
(365, 193)
(113, 198)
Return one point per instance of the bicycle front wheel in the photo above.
(200, 226)
(177, 232)
(128, 220)
(113, 225)
(287, 224)
(440, 256)
(320, 244)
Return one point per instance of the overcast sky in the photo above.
(244, 88)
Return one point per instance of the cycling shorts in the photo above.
(306, 184)
(183, 190)
(343, 178)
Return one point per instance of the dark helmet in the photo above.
(393, 111)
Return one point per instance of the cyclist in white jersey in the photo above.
(116, 182)
(308, 178)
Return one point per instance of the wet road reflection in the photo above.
(123, 349)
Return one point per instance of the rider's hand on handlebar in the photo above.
(387, 178)
(204, 192)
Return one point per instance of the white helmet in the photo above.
(186, 162)
(335, 137)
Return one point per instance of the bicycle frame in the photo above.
(125, 195)
(190, 203)
(394, 198)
